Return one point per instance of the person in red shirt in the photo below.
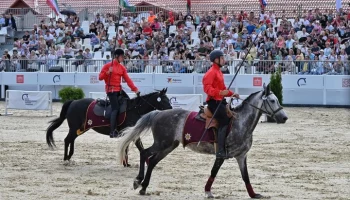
(112, 73)
(214, 87)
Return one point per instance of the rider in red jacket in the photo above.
(214, 87)
(112, 73)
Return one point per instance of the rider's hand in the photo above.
(137, 93)
(235, 95)
(224, 92)
(110, 69)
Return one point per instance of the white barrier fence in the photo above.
(184, 101)
(297, 89)
(28, 100)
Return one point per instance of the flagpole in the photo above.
(119, 18)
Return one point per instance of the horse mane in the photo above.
(134, 100)
(241, 106)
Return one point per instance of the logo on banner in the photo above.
(346, 82)
(94, 79)
(56, 79)
(172, 100)
(257, 81)
(19, 78)
(174, 80)
(27, 101)
(301, 82)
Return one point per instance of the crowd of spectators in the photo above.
(316, 43)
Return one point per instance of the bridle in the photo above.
(265, 104)
(143, 102)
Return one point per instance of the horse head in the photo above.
(271, 106)
(159, 100)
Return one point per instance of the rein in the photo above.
(260, 109)
(140, 104)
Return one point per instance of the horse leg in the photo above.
(214, 172)
(66, 144)
(125, 161)
(144, 155)
(153, 161)
(139, 146)
(242, 162)
(69, 141)
(71, 150)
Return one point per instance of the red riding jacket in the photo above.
(213, 83)
(119, 71)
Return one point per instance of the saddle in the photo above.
(206, 115)
(103, 108)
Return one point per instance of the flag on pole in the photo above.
(263, 3)
(127, 5)
(54, 6)
(188, 7)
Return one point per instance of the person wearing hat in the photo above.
(214, 87)
(112, 73)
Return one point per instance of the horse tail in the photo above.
(130, 134)
(55, 123)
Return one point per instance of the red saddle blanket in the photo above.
(194, 129)
(93, 121)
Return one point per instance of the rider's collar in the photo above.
(216, 65)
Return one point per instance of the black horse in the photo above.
(79, 113)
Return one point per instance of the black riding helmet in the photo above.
(118, 52)
(215, 54)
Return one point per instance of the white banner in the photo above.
(236, 102)
(28, 100)
(187, 102)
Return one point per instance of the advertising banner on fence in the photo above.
(302, 82)
(15, 78)
(87, 79)
(28, 100)
(173, 80)
(144, 80)
(52, 78)
(188, 102)
(337, 82)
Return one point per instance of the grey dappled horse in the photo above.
(167, 127)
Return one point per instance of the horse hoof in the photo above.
(258, 196)
(66, 162)
(126, 165)
(136, 184)
(142, 192)
(209, 195)
(72, 162)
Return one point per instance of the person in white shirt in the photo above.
(48, 37)
(304, 33)
(327, 50)
(270, 33)
(305, 21)
(142, 40)
(289, 42)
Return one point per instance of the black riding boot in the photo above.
(114, 122)
(221, 142)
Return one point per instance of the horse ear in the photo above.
(166, 89)
(267, 90)
(161, 92)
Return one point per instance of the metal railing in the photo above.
(68, 64)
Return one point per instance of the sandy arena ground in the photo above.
(306, 158)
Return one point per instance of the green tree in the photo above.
(276, 85)
(70, 93)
